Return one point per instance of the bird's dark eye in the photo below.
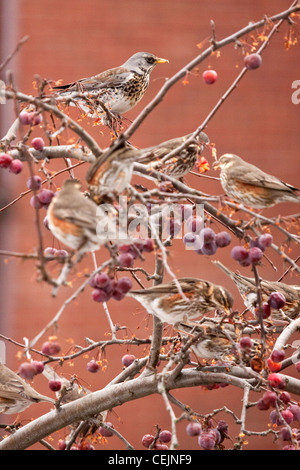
(150, 60)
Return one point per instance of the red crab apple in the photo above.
(209, 76)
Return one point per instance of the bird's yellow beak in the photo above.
(159, 60)
(216, 165)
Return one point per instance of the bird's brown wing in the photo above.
(186, 284)
(126, 153)
(83, 215)
(108, 79)
(252, 175)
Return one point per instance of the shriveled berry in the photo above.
(50, 348)
(35, 119)
(207, 440)
(265, 311)
(276, 300)
(295, 410)
(5, 160)
(93, 366)
(148, 245)
(61, 444)
(270, 398)
(252, 61)
(208, 235)
(54, 385)
(38, 143)
(34, 183)
(147, 440)
(124, 284)
(165, 436)
(100, 295)
(239, 253)
(275, 380)
(209, 248)
(106, 432)
(192, 240)
(126, 260)
(35, 202)
(285, 434)
(193, 429)
(223, 239)
(45, 196)
(277, 355)
(160, 447)
(24, 118)
(262, 405)
(128, 359)
(246, 342)
(285, 397)
(27, 370)
(194, 224)
(39, 366)
(16, 166)
(255, 254)
(288, 416)
(265, 240)
(49, 251)
(100, 280)
(61, 253)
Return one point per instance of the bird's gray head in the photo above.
(228, 159)
(143, 62)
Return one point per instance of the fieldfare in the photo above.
(113, 92)
(180, 164)
(248, 185)
(15, 393)
(72, 218)
(248, 290)
(171, 306)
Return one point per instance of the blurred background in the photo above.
(70, 40)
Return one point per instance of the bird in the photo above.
(247, 184)
(210, 339)
(73, 218)
(248, 289)
(115, 90)
(180, 164)
(111, 172)
(197, 297)
(16, 394)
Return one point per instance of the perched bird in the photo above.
(210, 340)
(15, 393)
(248, 290)
(180, 164)
(73, 219)
(247, 184)
(116, 90)
(197, 298)
(111, 173)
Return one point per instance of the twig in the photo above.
(15, 51)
